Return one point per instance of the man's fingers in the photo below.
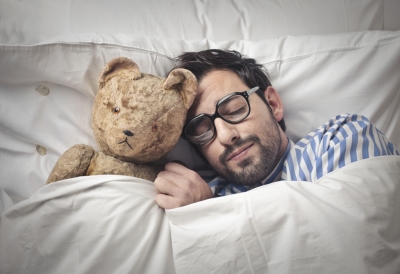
(178, 186)
(166, 201)
(166, 190)
(180, 181)
(164, 185)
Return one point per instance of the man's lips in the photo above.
(236, 154)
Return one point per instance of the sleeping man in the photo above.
(236, 122)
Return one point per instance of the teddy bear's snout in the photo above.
(127, 132)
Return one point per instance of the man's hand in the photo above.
(179, 186)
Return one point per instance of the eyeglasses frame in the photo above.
(246, 94)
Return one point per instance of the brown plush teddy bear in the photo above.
(137, 118)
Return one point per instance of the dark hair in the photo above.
(249, 71)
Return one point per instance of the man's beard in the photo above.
(251, 173)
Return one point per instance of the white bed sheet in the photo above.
(347, 222)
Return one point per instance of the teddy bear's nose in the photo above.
(128, 133)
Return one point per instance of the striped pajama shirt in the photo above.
(342, 140)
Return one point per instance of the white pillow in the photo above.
(317, 77)
(30, 22)
(346, 222)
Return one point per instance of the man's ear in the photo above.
(184, 81)
(119, 66)
(275, 102)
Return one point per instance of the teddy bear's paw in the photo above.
(73, 163)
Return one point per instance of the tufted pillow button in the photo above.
(42, 89)
(41, 150)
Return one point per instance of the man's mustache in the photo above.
(228, 150)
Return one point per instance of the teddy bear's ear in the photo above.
(184, 81)
(119, 66)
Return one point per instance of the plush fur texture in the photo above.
(137, 118)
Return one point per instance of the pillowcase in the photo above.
(30, 22)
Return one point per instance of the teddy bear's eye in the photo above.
(116, 110)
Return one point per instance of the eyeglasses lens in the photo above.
(200, 130)
(233, 110)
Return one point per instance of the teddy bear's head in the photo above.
(139, 117)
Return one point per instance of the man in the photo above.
(242, 134)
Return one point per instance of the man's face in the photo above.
(244, 153)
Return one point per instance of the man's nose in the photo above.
(227, 133)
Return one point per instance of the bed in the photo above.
(323, 57)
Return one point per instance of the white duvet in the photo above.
(347, 222)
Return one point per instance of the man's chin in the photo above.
(248, 162)
(243, 173)
(253, 168)
(243, 165)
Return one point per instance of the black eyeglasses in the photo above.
(233, 109)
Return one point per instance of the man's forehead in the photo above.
(212, 88)
(217, 84)
(208, 98)
(201, 105)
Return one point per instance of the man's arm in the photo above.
(179, 186)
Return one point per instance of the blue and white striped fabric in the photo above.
(342, 140)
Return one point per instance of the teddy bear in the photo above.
(137, 118)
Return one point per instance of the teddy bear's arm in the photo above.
(105, 164)
(73, 163)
